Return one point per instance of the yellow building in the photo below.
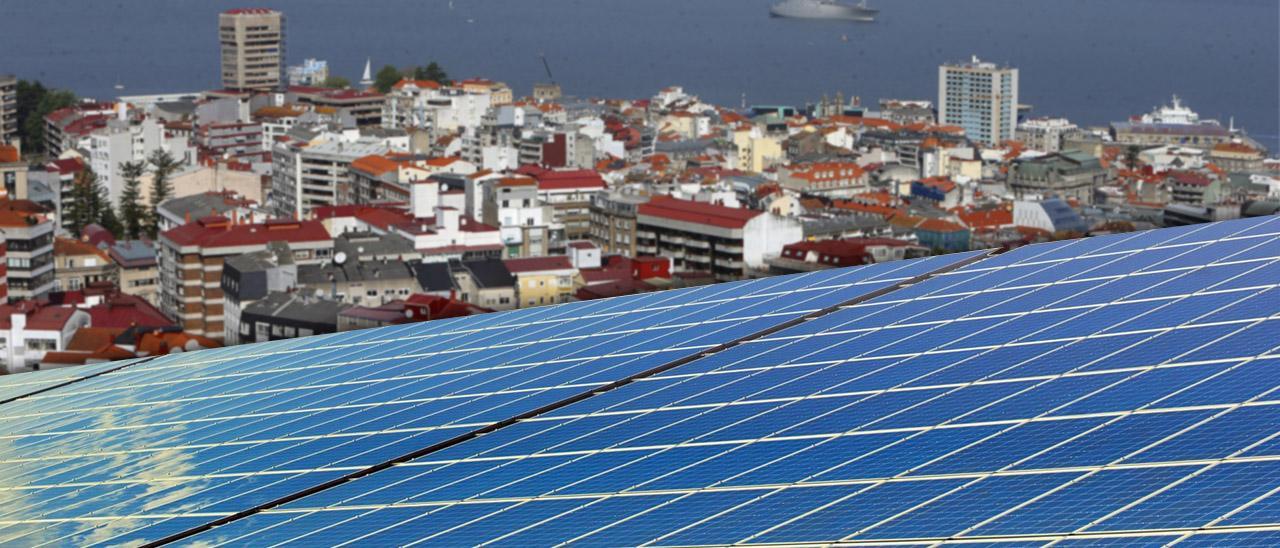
(544, 280)
(756, 149)
(499, 93)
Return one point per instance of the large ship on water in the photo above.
(824, 9)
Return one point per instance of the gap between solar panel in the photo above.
(74, 380)
(564, 402)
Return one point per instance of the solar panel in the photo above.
(1119, 389)
(182, 439)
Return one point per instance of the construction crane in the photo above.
(547, 66)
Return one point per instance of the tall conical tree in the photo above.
(87, 203)
(162, 167)
(133, 214)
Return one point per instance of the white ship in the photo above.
(823, 9)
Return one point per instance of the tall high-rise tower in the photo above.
(252, 42)
(980, 97)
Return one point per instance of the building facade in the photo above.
(980, 97)
(252, 44)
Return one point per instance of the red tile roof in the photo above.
(39, 316)
(381, 216)
(123, 311)
(20, 213)
(68, 246)
(212, 232)
(1190, 178)
(697, 212)
(66, 165)
(986, 218)
(375, 164)
(538, 264)
(563, 180)
(421, 84)
(850, 252)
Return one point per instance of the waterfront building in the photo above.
(252, 44)
(980, 97)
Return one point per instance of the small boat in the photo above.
(824, 9)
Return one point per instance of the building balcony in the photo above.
(700, 244)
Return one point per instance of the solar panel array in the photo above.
(1119, 389)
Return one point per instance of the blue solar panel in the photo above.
(1119, 387)
(215, 433)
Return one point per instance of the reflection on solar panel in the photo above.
(1120, 389)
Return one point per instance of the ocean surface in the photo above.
(1092, 61)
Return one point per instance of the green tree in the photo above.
(34, 102)
(162, 167)
(434, 72)
(387, 76)
(336, 82)
(133, 215)
(1131, 155)
(87, 202)
(107, 218)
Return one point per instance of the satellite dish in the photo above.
(340, 257)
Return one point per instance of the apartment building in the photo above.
(310, 173)
(252, 43)
(8, 107)
(613, 221)
(192, 257)
(726, 242)
(28, 235)
(981, 97)
(513, 205)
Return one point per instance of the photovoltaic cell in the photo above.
(215, 433)
(1095, 391)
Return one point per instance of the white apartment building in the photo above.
(980, 97)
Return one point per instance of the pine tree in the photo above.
(107, 219)
(162, 167)
(79, 208)
(434, 72)
(133, 215)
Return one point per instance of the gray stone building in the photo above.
(1066, 175)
